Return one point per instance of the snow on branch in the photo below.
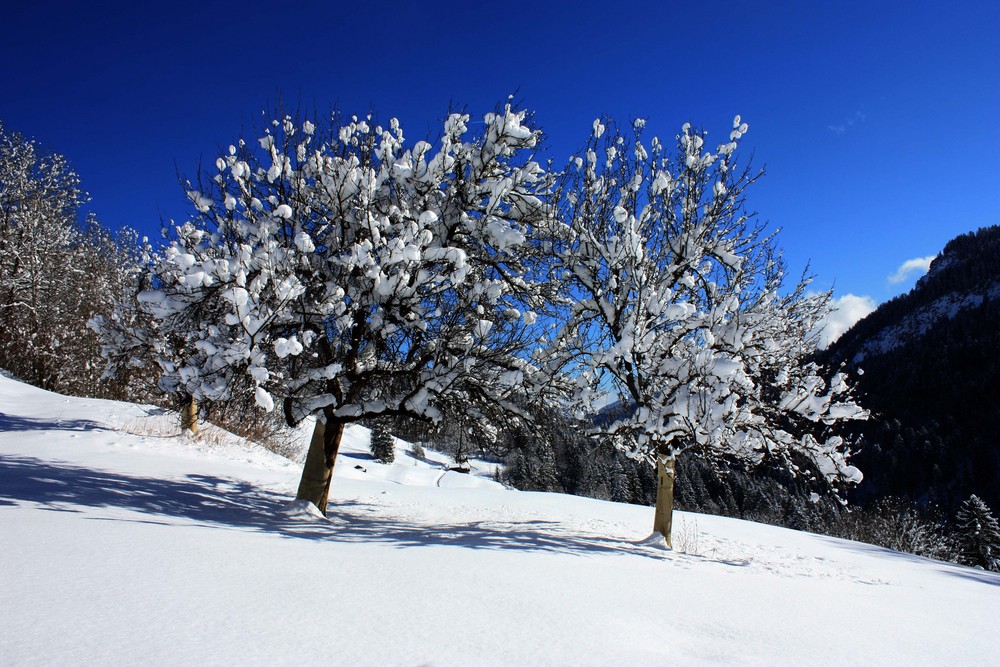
(675, 303)
(349, 274)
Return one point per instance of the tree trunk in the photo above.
(189, 417)
(664, 516)
(318, 470)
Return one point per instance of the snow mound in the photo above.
(303, 509)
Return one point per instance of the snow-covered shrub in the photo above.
(895, 524)
(417, 451)
(687, 540)
(240, 414)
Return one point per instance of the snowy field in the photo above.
(121, 543)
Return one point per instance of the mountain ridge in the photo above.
(927, 366)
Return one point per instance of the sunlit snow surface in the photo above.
(122, 543)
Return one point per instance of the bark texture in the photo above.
(189, 417)
(664, 516)
(318, 470)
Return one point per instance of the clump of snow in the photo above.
(287, 346)
(303, 509)
(264, 399)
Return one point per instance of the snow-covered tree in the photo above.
(39, 198)
(676, 309)
(978, 535)
(383, 445)
(351, 277)
(620, 492)
(57, 269)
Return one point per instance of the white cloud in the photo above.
(916, 265)
(847, 310)
(840, 128)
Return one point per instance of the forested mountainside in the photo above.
(931, 377)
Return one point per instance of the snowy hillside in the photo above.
(962, 278)
(917, 323)
(930, 375)
(123, 544)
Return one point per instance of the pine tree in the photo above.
(548, 479)
(978, 535)
(634, 484)
(619, 483)
(518, 472)
(797, 515)
(383, 445)
(597, 481)
(574, 469)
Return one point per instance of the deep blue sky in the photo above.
(878, 123)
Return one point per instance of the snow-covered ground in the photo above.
(121, 543)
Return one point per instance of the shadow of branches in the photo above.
(21, 423)
(228, 503)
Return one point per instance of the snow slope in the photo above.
(919, 321)
(122, 544)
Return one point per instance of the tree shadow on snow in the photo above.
(19, 423)
(356, 456)
(220, 502)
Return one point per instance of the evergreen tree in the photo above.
(978, 535)
(635, 491)
(548, 479)
(797, 515)
(597, 481)
(619, 483)
(383, 444)
(574, 468)
(517, 472)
